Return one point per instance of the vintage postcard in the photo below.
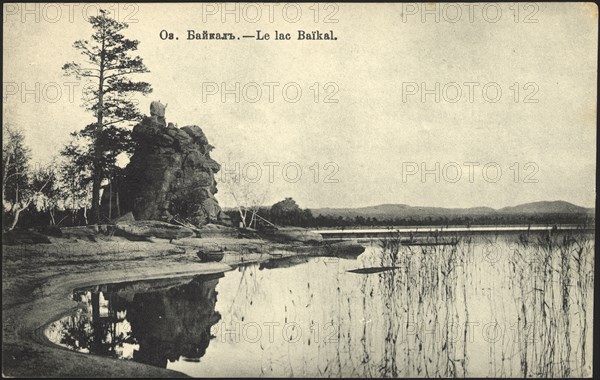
(299, 189)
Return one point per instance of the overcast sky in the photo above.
(373, 143)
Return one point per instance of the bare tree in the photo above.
(50, 197)
(248, 196)
(39, 181)
(15, 159)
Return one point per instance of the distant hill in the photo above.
(555, 212)
(392, 211)
(546, 207)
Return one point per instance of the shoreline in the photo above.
(39, 279)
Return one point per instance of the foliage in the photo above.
(109, 63)
(29, 186)
(15, 162)
(288, 213)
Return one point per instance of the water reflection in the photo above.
(503, 306)
(149, 322)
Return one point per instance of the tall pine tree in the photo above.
(109, 64)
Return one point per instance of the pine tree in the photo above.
(109, 63)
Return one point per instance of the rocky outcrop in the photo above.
(290, 234)
(21, 236)
(171, 173)
(152, 228)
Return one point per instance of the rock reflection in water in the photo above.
(150, 322)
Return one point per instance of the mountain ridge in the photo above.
(403, 210)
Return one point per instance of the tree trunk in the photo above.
(73, 211)
(5, 174)
(242, 217)
(16, 219)
(96, 198)
(110, 200)
(97, 152)
(17, 188)
(118, 205)
(17, 211)
(52, 219)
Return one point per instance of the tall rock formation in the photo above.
(171, 173)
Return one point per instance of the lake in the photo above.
(516, 304)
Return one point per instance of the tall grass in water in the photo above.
(422, 309)
(553, 282)
(530, 305)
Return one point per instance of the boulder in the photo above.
(157, 109)
(157, 112)
(126, 218)
(216, 230)
(53, 231)
(22, 236)
(153, 228)
(80, 232)
(289, 234)
(342, 249)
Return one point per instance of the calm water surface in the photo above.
(489, 306)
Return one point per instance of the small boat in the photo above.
(429, 243)
(207, 257)
(372, 270)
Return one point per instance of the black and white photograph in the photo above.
(313, 190)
